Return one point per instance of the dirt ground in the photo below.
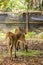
(26, 60)
(21, 60)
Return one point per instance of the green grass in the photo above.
(29, 53)
(23, 53)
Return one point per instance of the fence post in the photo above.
(27, 21)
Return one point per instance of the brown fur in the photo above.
(14, 37)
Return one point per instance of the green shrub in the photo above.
(30, 35)
(41, 35)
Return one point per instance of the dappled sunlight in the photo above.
(29, 35)
(13, 30)
(2, 36)
(34, 35)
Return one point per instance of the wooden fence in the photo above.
(23, 24)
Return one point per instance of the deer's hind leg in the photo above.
(15, 47)
(10, 51)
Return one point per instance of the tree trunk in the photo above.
(40, 3)
(34, 3)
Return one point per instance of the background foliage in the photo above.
(11, 5)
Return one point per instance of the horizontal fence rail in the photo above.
(21, 22)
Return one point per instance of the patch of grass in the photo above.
(29, 53)
(23, 53)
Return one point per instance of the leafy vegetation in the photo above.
(41, 35)
(34, 35)
(11, 5)
(30, 35)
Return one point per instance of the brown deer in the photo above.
(13, 39)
